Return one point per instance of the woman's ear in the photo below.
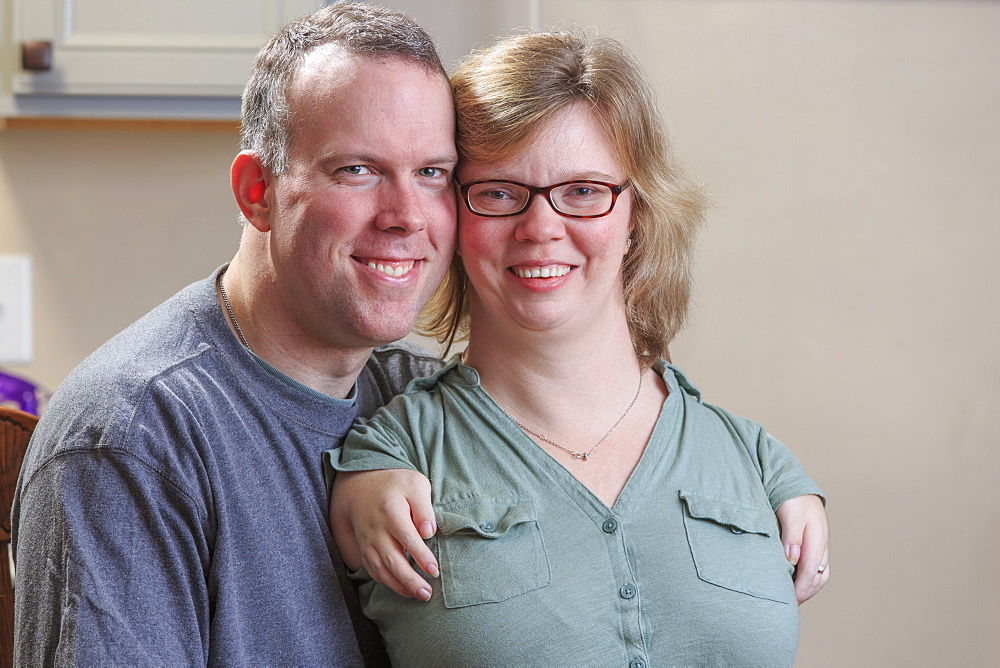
(251, 182)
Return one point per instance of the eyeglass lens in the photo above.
(498, 198)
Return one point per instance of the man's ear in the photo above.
(251, 183)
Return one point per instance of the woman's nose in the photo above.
(540, 223)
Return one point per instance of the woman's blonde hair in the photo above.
(505, 93)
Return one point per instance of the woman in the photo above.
(591, 509)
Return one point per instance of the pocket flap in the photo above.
(733, 514)
(490, 550)
(489, 519)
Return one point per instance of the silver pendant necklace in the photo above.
(574, 453)
(229, 310)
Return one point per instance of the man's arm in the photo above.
(110, 565)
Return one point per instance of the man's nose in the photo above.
(403, 208)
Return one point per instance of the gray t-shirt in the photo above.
(687, 568)
(171, 507)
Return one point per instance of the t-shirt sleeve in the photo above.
(783, 476)
(781, 473)
(110, 565)
(375, 444)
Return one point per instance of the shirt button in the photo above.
(610, 525)
(627, 591)
(637, 662)
(487, 527)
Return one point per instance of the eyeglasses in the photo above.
(575, 199)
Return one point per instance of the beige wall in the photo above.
(847, 292)
(115, 223)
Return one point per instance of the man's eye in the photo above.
(432, 172)
(355, 170)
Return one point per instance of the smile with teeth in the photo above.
(549, 271)
(391, 268)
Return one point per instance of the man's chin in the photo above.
(381, 333)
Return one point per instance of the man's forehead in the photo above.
(328, 64)
(344, 104)
(334, 66)
(333, 79)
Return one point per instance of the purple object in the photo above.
(19, 391)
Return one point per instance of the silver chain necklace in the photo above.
(575, 454)
(229, 309)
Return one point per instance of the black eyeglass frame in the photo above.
(616, 190)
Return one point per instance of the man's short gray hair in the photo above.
(361, 29)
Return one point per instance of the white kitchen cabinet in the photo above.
(184, 59)
(139, 58)
(147, 47)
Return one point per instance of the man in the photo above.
(171, 508)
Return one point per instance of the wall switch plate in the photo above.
(15, 309)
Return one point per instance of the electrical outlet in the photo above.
(15, 309)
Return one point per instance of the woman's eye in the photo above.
(581, 191)
(495, 194)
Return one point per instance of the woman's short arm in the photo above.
(377, 517)
(805, 537)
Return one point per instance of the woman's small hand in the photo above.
(805, 535)
(377, 517)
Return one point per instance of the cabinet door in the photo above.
(148, 47)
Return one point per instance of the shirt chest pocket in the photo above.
(737, 546)
(489, 551)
